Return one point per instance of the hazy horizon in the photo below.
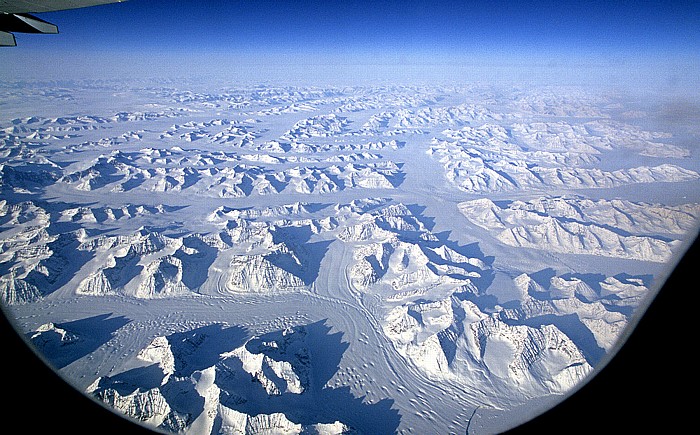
(607, 44)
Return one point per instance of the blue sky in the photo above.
(375, 26)
(377, 31)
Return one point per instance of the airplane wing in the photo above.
(15, 16)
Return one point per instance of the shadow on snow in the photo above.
(82, 338)
(313, 352)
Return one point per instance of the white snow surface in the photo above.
(614, 228)
(263, 259)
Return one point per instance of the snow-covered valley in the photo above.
(370, 259)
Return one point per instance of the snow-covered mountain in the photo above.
(579, 226)
(453, 337)
(192, 382)
(217, 176)
(475, 169)
(368, 259)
